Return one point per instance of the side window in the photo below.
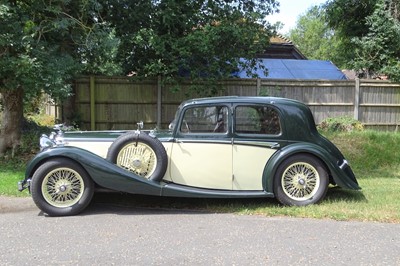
(205, 119)
(257, 119)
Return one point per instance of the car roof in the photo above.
(243, 99)
(297, 116)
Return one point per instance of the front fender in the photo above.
(343, 177)
(103, 172)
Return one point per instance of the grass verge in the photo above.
(8, 182)
(377, 202)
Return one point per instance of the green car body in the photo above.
(196, 158)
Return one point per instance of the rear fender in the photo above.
(342, 178)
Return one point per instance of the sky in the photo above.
(290, 10)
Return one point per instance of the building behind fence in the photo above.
(105, 103)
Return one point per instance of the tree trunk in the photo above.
(10, 129)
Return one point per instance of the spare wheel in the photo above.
(140, 154)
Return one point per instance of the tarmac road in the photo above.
(112, 234)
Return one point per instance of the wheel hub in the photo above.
(301, 181)
(63, 188)
(136, 163)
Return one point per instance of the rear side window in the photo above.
(257, 119)
(205, 119)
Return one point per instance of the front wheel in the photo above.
(301, 180)
(61, 187)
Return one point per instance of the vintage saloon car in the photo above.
(222, 147)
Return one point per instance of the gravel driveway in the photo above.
(108, 234)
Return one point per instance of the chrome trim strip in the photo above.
(180, 140)
(89, 139)
(271, 145)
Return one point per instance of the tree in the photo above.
(43, 45)
(378, 51)
(196, 39)
(370, 31)
(315, 39)
(347, 18)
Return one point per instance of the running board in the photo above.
(174, 190)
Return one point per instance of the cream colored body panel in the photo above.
(168, 149)
(205, 165)
(248, 166)
(97, 147)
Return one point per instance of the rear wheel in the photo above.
(61, 187)
(301, 180)
(140, 154)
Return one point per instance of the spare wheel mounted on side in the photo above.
(140, 154)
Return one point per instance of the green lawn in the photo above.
(8, 182)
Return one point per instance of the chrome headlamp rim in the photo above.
(46, 142)
(54, 139)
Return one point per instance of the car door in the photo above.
(201, 155)
(257, 135)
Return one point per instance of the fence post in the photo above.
(357, 100)
(92, 104)
(159, 104)
(258, 87)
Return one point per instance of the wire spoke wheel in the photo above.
(139, 154)
(138, 158)
(62, 187)
(300, 181)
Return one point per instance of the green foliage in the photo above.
(44, 44)
(340, 124)
(348, 17)
(43, 120)
(315, 39)
(196, 39)
(29, 145)
(378, 51)
(370, 32)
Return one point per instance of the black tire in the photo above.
(301, 180)
(140, 154)
(61, 187)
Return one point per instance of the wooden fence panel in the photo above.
(119, 103)
(325, 98)
(380, 104)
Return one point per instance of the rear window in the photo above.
(257, 119)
